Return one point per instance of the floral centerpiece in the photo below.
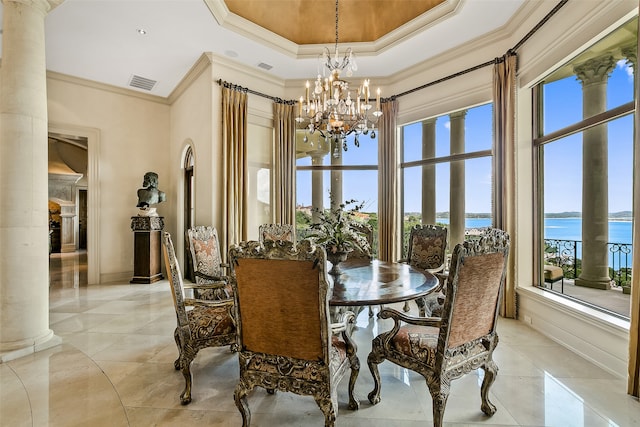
(338, 230)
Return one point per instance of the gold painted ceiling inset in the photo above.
(314, 21)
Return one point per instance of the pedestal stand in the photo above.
(147, 231)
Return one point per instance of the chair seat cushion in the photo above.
(419, 342)
(207, 322)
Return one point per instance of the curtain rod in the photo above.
(494, 61)
(440, 80)
(246, 90)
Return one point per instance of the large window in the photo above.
(447, 172)
(584, 149)
(327, 174)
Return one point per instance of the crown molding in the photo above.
(105, 87)
(199, 67)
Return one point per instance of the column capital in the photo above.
(595, 70)
(458, 114)
(630, 52)
(429, 121)
(45, 6)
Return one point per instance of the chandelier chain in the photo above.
(336, 25)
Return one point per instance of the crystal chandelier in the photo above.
(331, 108)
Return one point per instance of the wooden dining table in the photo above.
(364, 283)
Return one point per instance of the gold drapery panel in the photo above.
(234, 170)
(504, 208)
(388, 202)
(285, 163)
(633, 385)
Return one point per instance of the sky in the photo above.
(562, 159)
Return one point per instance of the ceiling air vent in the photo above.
(265, 66)
(142, 83)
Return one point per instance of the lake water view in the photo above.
(566, 229)
(563, 228)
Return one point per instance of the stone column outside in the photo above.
(457, 187)
(595, 194)
(336, 175)
(429, 172)
(317, 187)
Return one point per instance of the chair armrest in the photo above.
(212, 278)
(343, 322)
(401, 317)
(228, 302)
(398, 318)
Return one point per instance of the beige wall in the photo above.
(134, 139)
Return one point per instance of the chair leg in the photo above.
(176, 337)
(240, 397)
(439, 390)
(375, 357)
(355, 370)
(328, 406)
(490, 373)
(406, 306)
(185, 366)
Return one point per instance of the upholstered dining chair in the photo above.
(427, 250)
(201, 323)
(285, 339)
(208, 267)
(445, 348)
(276, 232)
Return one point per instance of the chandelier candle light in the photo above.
(331, 109)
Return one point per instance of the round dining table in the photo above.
(379, 283)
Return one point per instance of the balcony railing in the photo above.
(567, 255)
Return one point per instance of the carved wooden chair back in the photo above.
(445, 348)
(200, 323)
(427, 247)
(285, 341)
(276, 232)
(427, 250)
(208, 267)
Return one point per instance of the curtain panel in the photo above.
(388, 208)
(284, 181)
(234, 170)
(504, 210)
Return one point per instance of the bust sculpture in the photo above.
(150, 195)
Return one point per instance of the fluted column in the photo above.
(457, 190)
(595, 195)
(316, 187)
(24, 242)
(429, 172)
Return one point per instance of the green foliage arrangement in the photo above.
(338, 229)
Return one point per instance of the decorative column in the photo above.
(595, 195)
(429, 172)
(24, 228)
(457, 190)
(317, 186)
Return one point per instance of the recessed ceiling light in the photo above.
(141, 31)
(231, 53)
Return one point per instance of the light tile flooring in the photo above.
(115, 368)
